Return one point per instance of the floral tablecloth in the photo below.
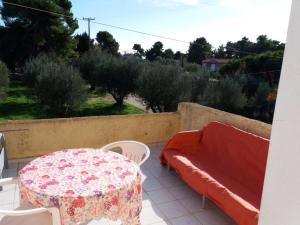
(84, 184)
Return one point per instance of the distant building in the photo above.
(214, 64)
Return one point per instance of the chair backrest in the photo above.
(135, 151)
(2, 153)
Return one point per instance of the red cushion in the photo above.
(223, 163)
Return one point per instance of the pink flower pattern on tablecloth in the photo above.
(84, 184)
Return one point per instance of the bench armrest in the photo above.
(184, 142)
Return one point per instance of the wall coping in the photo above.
(86, 118)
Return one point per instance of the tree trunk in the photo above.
(119, 101)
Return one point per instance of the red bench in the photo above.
(225, 164)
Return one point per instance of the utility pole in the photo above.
(88, 19)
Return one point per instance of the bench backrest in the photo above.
(239, 154)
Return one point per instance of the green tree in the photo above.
(240, 48)
(60, 88)
(199, 50)
(83, 43)
(168, 54)
(259, 103)
(139, 51)
(225, 94)
(233, 68)
(200, 80)
(220, 52)
(244, 47)
(117, 76)
(4, 80)
(178, 55)
(107, 42)
(155, 51)
(264, 44)
(265, 66)
(192, 67)
(26, 32)
(33, 67)
(162, 87)
(87, 64)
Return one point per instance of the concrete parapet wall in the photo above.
(38, 137)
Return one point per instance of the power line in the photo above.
(99, 23)
(37, 9)
(125, 29)
(141, 32)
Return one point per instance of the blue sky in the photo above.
(217, 20)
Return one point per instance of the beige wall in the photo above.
(38, 137)
(281, 195)
(195, 116)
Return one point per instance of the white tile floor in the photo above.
(167, 200)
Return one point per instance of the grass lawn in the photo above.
(21, 104)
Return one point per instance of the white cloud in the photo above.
(254, 17)
(170, 3)
(239, 18)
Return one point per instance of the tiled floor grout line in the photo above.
(175, 200)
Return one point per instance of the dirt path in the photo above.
(136, 102)
(132, 100)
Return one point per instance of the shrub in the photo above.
(117, 76)
(162, 87)
(192, 67)
(32, 68)
(225, 94)
(4, 80)
(60, 88)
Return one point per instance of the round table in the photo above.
(84, 184)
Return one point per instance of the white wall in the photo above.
(281, 195)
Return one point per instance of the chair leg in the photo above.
(203, 202)
(55, 215)
(1, 188)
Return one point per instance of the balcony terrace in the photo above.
(166, 198)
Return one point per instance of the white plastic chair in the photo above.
(25, 215)
(3, 160)
(136, 151)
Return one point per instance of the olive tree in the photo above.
(60, 88)
(88, 62)
(33, 67)
(162, 87)
(117, 75)
(225, 94)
